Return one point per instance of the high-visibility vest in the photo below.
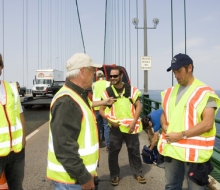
(123, 110)
(87, 141)
(184, 116)
(10, 122)
(98, 88)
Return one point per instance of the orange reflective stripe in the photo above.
(194, 100)
(166, 102)
(197, 142)
(105, 94)
(192, 154)
(162, 142)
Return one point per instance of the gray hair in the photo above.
(73, 73)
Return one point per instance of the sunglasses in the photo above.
(114, 76)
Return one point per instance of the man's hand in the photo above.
(89, 185)
(131, 127)
(113, 124)
(110, 101)
(173, 137)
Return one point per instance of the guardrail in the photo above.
(150, 105)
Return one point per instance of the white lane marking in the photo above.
(32, 134)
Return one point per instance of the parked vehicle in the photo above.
(44, 79)
(21, 90)
(55, 87)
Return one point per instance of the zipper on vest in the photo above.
(9, 125)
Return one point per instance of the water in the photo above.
(155, 95)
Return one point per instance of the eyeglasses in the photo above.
(91, 69)
(114, 76)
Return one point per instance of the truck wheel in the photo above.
(26, 107)
(34, 95)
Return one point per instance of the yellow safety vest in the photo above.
(98, 88)
(10, 122)
(123, 111)
(184, 116)
(87, 140)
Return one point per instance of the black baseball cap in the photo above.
(179, 61)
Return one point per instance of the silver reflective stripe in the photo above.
(16, 141)
(4, 130)
(60, 168)
(91, 150)
(5, 144)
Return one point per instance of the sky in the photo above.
(60, 38)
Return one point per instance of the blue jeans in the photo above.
(174, 174)
(64, 186)
(103, 128)
(13, 166)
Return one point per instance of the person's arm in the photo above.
(105, 102)
(208, 118)
(163, 122)
(102, 113)
(138, 108)
(23, 129)
(154, 140)
(65, 127)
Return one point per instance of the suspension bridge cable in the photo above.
(185, 22)
(23, 43)
(130, 36)
(137, 42)
(122, 30)
(80, 26)
(105, 31)
(118, 34)
(3, 20)
(27, 39)
(125, 32)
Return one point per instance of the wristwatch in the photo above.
(184, 135)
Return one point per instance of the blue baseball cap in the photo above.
(179, 61)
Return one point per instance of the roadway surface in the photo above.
(36, 159)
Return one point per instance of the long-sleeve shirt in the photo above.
(65, 127)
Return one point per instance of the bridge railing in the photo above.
(150, 105)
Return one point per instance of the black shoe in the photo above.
(101, 144)
(115, 181)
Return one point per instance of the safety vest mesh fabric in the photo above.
(87, 141)
(98, 88)
(196, 149)
(10, 123)
(123, 111)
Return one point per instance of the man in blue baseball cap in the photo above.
(188, 123)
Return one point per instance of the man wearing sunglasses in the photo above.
(123, 117)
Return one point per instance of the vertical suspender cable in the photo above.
(115, 34)
(3, 34)
(41, 35)
(23, 42)
(48, 34)
(105, 31)
(130, 36)
(185, 22)
(38, 34)
(137, 42)
(80, 26)
(172, 32)
(118, 34)
(51, 57)
(122, 30)
(125, 30)
(27, 39)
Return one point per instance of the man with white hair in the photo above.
(73, 137)
(98, 88)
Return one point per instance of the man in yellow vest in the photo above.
(98, 88)
(73, 149)
(188, 124)
(12, 130)
(123, 117)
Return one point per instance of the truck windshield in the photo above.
(43, 81)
